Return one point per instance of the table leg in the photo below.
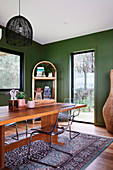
(2, 146)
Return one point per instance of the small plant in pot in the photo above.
(31, 103)
(47, 69)
(21, 99)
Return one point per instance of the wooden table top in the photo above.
(22, 114)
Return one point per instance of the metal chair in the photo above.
(72, 100)
(16, 137)
(53, 129)
(65, 117)
(14, 124)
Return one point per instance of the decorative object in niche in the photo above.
(47, 92)
(38, 92)
(48, 69)
(108, 108)
(40, 71)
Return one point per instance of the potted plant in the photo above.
(48, 69)
(31, 103)
(21, 99)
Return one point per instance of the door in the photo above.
(83, 73)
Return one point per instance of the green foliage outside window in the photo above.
(9, 71)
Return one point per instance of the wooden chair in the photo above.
(53, 129)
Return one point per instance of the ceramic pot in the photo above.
(21, 102)
(31, 104)
(108, 108)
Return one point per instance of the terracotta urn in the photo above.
(108, 108)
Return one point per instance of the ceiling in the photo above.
(55, 20)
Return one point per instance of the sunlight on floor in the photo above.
(86, 117)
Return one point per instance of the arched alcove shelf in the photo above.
(39, 81)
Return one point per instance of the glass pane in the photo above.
(9, 71)
(84, 84)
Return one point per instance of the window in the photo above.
(11, 70)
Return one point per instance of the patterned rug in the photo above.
(84, 147)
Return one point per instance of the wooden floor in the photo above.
(103, 162)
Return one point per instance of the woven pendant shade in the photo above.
(19, 31)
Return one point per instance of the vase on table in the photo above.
(21, 102)
(108, 108)
(31, 104)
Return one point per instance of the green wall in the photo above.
(59, 54)
(32, 55)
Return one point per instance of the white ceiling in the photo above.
(54, 20)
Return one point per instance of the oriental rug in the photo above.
(84, 147)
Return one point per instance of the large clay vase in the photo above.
(108, 108)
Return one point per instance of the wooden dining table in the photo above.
(47, 112)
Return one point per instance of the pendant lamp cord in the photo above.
(19, 7)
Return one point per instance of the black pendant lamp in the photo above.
(19, 31)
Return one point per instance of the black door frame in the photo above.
(72, 77)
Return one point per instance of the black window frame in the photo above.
(21, 68)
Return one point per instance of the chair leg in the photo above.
(62, 151)
(54, 166)
(26, 128)
(50, 140)
(69, 159)
(37, 161)
(29, 146)
(16, 133)
(70, 131)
